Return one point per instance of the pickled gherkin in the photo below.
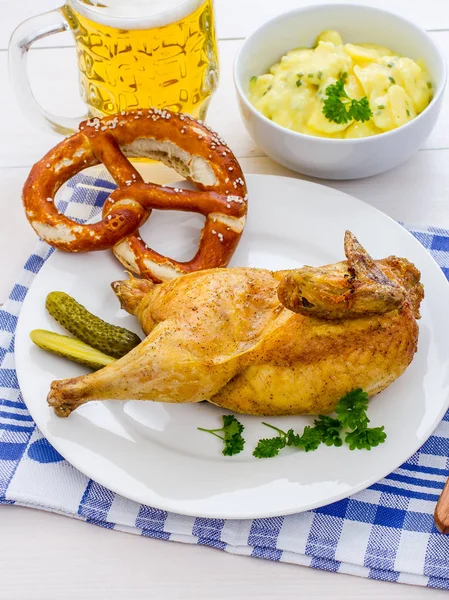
(71, 348)
(110, 339)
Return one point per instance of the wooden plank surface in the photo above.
(90, 563)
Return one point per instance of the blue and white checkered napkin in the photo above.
(385, 532)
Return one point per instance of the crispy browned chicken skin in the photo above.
(261, 342)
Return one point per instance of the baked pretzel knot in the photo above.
(185, 144)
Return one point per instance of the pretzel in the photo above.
(186, 145)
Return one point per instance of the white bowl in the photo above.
(337, 158)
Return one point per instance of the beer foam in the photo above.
(135, 14)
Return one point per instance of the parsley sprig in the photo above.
(339, 108)
(232, 435)
(365, 438)
(351, 409)
(329, 430)
(350, 425)
(270, 446)
(351, 422)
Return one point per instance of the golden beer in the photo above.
(145, 53)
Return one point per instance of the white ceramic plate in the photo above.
(153, 452)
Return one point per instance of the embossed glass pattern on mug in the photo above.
(129, 62)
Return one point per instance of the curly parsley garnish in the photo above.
(351, 421)
(365, 438)
(232, 435)
(269, 447)
(350, 425)
(309, 440)
(351, 409)
(339, 108)
(329, 430)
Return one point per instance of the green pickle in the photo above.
(71, 348)
(110, 339)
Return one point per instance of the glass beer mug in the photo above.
(131, 54)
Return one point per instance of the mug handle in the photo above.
(23, 37)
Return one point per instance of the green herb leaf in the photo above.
(337, 89)
(330, 430)
(232, 425)
(232, 435)
(359, 110)
(351, 415)
(267, 448)
(351, 409)
(233, 445)
(365, 438)
(339, 108)
(311, 438)
(298, 81)
(334, 110)
(392, 79)
(293, 439)
(253, 79)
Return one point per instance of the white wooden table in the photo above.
(46, 556)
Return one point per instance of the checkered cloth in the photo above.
(385, 532)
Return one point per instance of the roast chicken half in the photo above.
(260, 342)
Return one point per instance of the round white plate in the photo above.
(153, 452)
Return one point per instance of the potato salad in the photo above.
(339, 90)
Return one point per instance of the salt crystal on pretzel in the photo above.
(186, 145)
